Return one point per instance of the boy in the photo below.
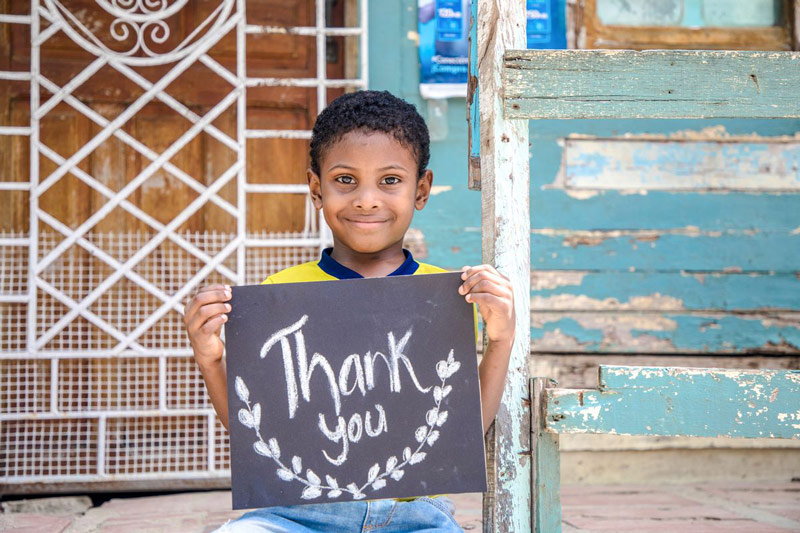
(369, 153)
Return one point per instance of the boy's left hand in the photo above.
(493, 293)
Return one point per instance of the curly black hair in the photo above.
(371, 111)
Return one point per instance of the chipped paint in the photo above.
(575, 238)
(439, 189)
(554, 279)
(634, 165)
(585, 303)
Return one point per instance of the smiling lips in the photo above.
(368, 222)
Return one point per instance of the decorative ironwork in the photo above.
(93, 356)
(142, 21)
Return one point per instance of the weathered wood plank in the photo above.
(573, 290)
(505, 219)
(681, 401)
(643, 165)
(666, 250)
(546, 473)
(651, 84)
(579, 370)
(660, 332)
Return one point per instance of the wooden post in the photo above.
(546, 471)
(504, 182)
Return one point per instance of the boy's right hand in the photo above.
(204, 317)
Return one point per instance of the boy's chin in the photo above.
(367, 248)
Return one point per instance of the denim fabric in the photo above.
(431, 515)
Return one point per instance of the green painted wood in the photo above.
(651, 84)
(693, 402)
(546, 473)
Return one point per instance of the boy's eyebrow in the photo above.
(387, 167)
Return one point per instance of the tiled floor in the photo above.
(764, 507)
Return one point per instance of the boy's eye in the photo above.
(347, 180)
(391, 180)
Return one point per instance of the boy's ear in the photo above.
(423, 189)
(314, 188)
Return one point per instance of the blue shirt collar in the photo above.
(329, 265)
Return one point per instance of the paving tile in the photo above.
(624, 497)
(622, 510)
(33, 523)
(695, 526)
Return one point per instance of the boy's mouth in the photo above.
(366, 222)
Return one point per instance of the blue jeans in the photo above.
(432, 515)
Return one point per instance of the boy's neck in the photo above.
(370, 265)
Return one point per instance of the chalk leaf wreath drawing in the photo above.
(314, 487)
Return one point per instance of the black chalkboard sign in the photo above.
(351, 390)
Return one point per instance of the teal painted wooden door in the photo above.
(663, 236)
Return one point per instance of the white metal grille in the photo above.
(97, 382)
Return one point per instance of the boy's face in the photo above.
(369, 190)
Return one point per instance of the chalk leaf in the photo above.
(357, 494)
(421, 432)
(391, 462)
(397, 474)
(274, 448)
(335, 493)
(450, 357)
(241, 389)
(297, 464)
(417, 457)
(373, 472)
(311, 492)
(434, 435)
(407, 454)
(446, 390)
(331, 482)
(437, 393)
(379, 484)
(441, 369)
(442, 418)
(256, 414)
(246, 418)
(285, 474)
(430, 416)
(261, 448)
(312, 477)
(452, 368)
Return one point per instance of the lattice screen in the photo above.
(97, 382)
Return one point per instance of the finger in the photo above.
(500, 292)
(480, 277)
(207, 295)
(467, 271)
(213, 324)
(490, 302)
(205, 313)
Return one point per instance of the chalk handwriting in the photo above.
(357, 373)
(352, 370)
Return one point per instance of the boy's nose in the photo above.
(367, 199)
